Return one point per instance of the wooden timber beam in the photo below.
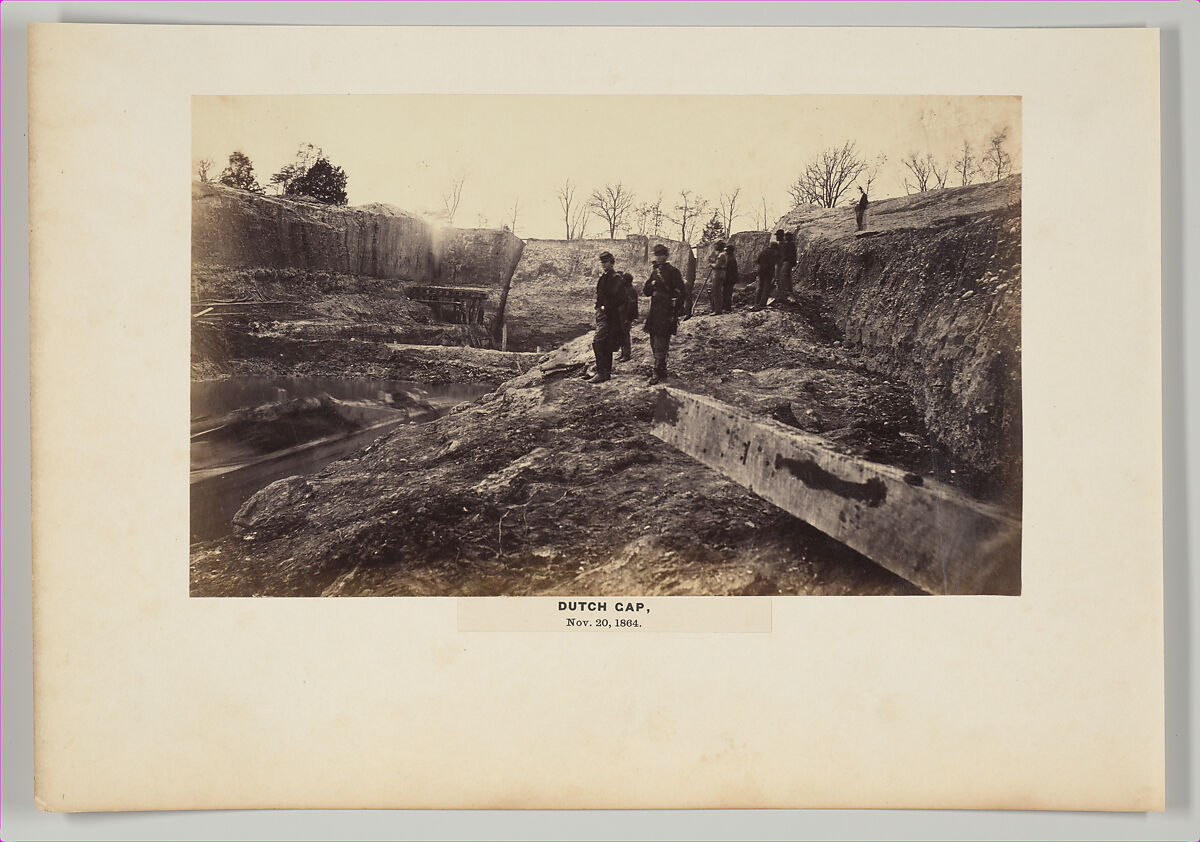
(925, 531)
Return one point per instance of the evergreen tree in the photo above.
(323, 182)
(713, 231)
(240, 173)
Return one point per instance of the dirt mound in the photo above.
(551, 485)
(286, 424)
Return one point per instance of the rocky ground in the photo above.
(549, 485)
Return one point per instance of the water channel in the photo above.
(226, 470)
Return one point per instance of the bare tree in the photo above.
(828, 176)
(656, 216)
(964, 165)
(940, 171)
(728, 212)
(202, 169)
(649, 217)
(687, 213)
(579, 221)
(571, 214)
(762, 220)
(611, 203)
(920, 167)
(641, 217)
(512, 219)
(872, 172)
(452, 197)
(996, 159)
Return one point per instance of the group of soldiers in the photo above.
(775, 265)
(671, 300)
(617, 309)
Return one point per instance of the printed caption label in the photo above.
(616, 615)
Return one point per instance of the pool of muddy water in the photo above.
(227, 472)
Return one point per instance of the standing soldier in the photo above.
(780, 256)
(609, 299)
(860, 209)
(666, 291)
(629, 312)
(767, 260)
(787, 262)
(717, 276)
(731, 276)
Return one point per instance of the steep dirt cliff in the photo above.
(240, 230)
(295, 287)
(236, 229)
(930, 293)
(553, 293)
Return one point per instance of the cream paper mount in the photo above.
(147, 699)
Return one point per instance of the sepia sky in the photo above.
(405, 150)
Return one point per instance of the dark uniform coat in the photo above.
(666, 291)
(629, 310)
(610, 305)
(767, 259)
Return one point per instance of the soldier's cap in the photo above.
(661, 249)
(719, 245)
(779, 233)
(626, 276)
(606, 257)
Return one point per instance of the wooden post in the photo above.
(925, 531)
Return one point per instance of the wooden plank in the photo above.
(925, 531)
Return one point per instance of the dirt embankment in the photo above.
(553, 293)
(299, 288)
(478, 257)
(930, 294)
(237, 229)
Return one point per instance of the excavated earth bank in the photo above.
(549, 485)
(931, 294)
